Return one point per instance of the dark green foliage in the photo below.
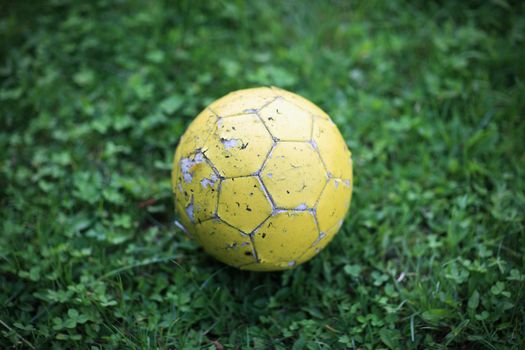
(429, 95)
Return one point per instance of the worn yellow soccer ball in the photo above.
(262, 179)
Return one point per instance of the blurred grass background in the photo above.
(429, 95)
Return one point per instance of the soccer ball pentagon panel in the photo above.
(262, 179)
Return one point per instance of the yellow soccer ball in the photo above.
(262, 179)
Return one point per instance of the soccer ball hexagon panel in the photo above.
(262, 179)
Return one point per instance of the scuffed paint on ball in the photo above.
(262, 179)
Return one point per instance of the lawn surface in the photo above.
(429, 96)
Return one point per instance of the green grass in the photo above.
(430, 97)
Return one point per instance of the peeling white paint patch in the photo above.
(347, 182)
(291, 263)
(209, 181)
(270, 175)
(322, 235)
(250, 110)
(189, 211)
(199, 157)
(314, 145)
(301, 206)
(186, 165)
(243, 244)
(230, 143)
(278, 211)
(336, 183)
